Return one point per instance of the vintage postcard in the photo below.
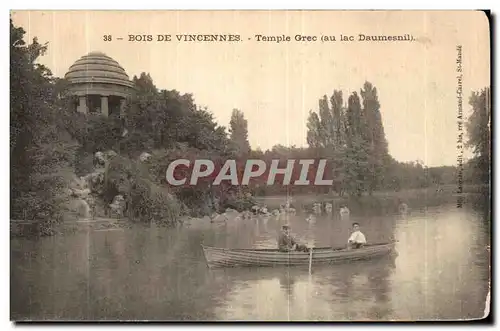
(250, 165)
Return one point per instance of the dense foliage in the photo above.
(353, 139)
(239, 132)
(479, 132)
(41, 150)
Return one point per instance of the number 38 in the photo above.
(107, 37)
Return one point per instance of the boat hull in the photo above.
(221, 257)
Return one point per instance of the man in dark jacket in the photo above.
(287, 243)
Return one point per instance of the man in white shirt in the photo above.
(357, 239)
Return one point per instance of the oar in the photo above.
(310, 259)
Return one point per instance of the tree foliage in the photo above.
(479, 132)
(352, 138)
(238, 129)
(41, 149)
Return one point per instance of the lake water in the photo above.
(441, 271)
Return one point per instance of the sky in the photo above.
(277, 84)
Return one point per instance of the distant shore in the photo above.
(432, 195)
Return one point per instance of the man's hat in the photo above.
(286, 226)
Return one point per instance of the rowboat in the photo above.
(223, 257)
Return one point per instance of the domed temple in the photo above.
(100, 83)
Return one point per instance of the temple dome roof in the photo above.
(97, 67)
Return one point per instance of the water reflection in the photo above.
(438, 259)
(441, 271)
(357, 290)
(287, 282)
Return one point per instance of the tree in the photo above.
(352, 139)
(356, 160)
(338, 129)
(339, 142)
(42, 150)
(326, 128)
(238, 129)
(144, 85)
(313, 130)
(479, 132)
(375, 137)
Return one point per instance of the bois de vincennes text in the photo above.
(301, 38)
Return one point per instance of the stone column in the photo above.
(82, 107)
(104, 106)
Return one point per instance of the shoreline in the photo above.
(387, 200)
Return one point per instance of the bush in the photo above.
(239, 203)
(146, 201)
